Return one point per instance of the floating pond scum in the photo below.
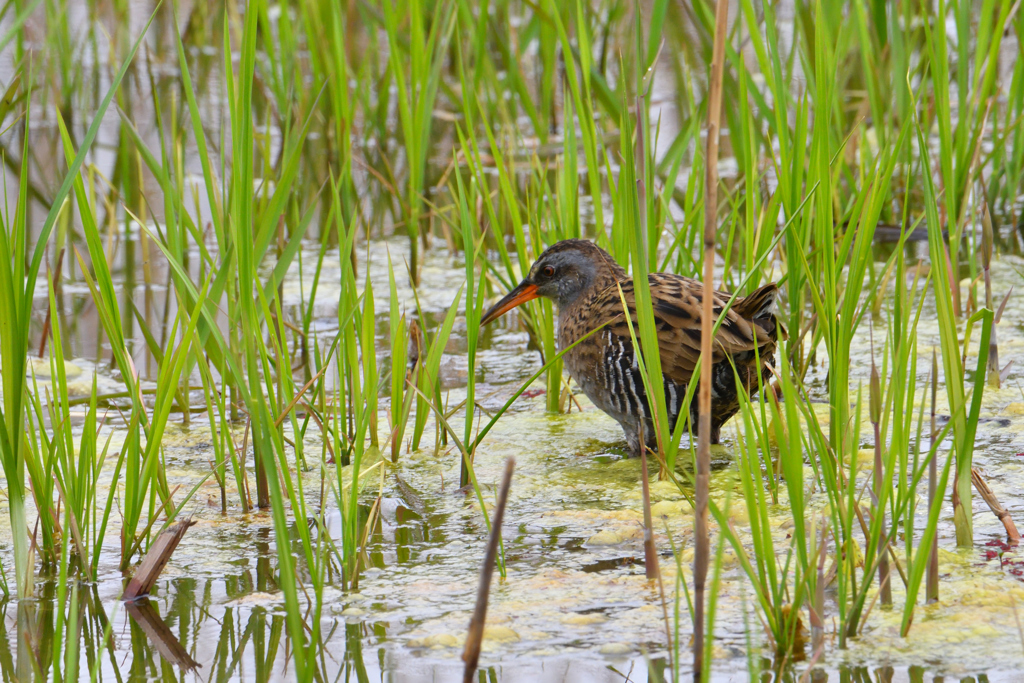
(246, 248)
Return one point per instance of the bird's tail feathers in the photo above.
(760, 305)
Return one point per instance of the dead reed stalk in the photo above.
(155, 560)
(702, 549)
(884, 587)
(475, 636)
(932, 574)
(650, 553)
(993, 504)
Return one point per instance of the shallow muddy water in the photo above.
(575, 604)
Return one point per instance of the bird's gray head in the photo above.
(563, 272)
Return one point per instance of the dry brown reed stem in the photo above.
(155, 560)
(650, 555)
(298, 397)
(993, 503)
(884, 587)
(247, 496)
(702, 548)
(475, 636)
(932, 575)
(262, 485)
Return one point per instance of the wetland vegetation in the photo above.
(245, 248)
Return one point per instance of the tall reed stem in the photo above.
(702, 548)
(475, 636)
(932, 580)
(884, 587)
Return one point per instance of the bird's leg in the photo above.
(651, 436)
(716, 425)
(716, 432)
(632, 441)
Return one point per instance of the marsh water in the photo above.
(575, 604)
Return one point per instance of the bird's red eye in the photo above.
(548, 271)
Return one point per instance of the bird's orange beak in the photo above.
(526, 291)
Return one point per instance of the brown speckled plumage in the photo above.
(583, 279)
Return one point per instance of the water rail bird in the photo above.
(584, 281)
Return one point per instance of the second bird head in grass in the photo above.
(565, 270)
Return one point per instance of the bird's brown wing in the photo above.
(677, 312)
